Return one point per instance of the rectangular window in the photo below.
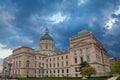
(67, 57)
(75, 60)
(58, 64)
(39, 57)
(35, 63)
(87, 50)
(62, 71)
(39, 64)
(81, 59)
(50, 65)
(54, 71)
(58, 58)
(88, 58)
(66, 63)
(46, 72)
(76, 75)
(62, 57)
(81, 51)
(67, 70)
(58, 71)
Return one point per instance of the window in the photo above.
(88, 58)
(67, 57)
(39, 57)
(67, 70)
(46, 72)
(54, 64)
(39, 64)
(50, 71)
(27, 63)
(62, 57)
(39, 71)
(66, 63)
(50, 59)
(35, 64)
(76, 75)
(75, 60)
(87, 50)
(54, 71)
(76, 70)
(81, 51)
(58, 58)
(19, 63)
(58, 64)
(58, 71)
(81, 59)
(50, 65)
(62, 71)
(46, 46)
(54, 59)
(35, 71)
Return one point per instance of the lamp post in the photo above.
(9, 70)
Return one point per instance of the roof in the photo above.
(82, 33)
(46, 36)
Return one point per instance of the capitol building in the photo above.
(84, 46)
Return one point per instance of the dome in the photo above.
(46, 36)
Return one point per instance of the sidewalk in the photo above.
(113, 78)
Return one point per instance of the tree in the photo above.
(116, 67)
(83, 64)
(88, 70)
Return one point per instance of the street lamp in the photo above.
(9, 70)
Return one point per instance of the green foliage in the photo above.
(62, 78)
(84, 64)
(116, 67)
(118, 78)
(88, 71)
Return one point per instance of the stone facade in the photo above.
(84, 46)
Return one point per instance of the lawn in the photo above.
(100, 78)
(118, 78)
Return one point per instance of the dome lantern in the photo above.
(46, 36)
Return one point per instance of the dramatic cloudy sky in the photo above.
(22, 22)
